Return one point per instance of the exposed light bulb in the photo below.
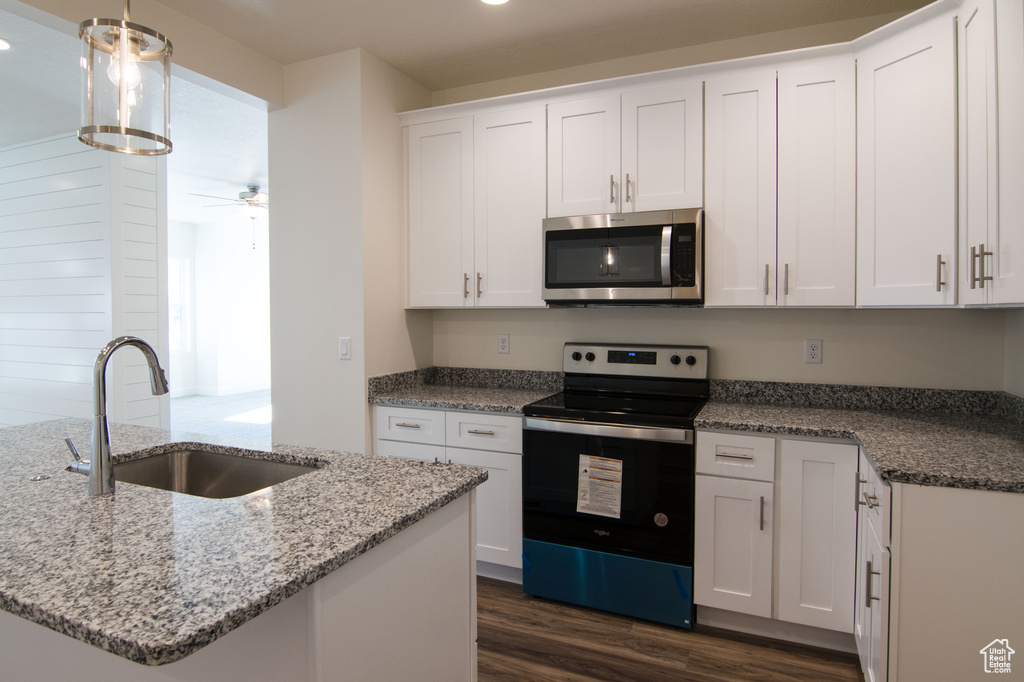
(494, 2)
(132, 73)
(4, 45)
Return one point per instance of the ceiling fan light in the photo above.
(127, 109)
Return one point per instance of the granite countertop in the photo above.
(478, 390)
(153, 576)
(924, 448)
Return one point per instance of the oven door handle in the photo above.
(668, 435)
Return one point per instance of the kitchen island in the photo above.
(362, 568)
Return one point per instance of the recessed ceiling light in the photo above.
(494, 2)
(4, 45)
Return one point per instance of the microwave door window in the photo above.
(603, 258)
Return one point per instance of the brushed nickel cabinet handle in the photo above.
(938, 273)
(479, 290)
(408, 426)
(465, 285)
(867, 585)
(982, 277)
(766, 279)
(479, 432)
(627, 189)
(611, 191)
(785, 281)
(870, 501)
(973, 267)
(856, 492)
(762, 512)
(725, 454)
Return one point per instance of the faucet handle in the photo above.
(81, 466)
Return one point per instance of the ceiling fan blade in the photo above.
(210, 196)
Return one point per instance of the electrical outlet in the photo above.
(504, 343)
(812, 351)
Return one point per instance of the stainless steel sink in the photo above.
(207, 474)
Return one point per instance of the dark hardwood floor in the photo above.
(528, 638)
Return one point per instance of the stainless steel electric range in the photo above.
(608, 476)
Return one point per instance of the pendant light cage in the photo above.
(126, 72)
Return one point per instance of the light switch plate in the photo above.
(344, 347)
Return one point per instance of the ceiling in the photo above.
(449, 43)
(220, 143)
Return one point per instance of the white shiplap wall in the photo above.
(80, 236)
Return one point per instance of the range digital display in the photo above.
(633, 357)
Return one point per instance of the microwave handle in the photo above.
(666, 255)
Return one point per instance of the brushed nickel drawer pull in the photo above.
(867, 585)
(481, 433)
(938, 273)
(744, 457)
(479, 292)
(408, 426)
(465, 285)
(611, 192)
(870, 501)
(762, 512)
(766, 279)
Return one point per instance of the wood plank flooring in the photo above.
(529, 638)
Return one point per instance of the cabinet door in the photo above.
(875, 572)
(861, 613)
(584, 157)
(739, 187)
(405, 450)
(440, 181)
(817, 183)
(662, 151)
(499, 505)
(509, 184)
(817, 534)
(1008, 286)
(979, 169)
(732, 559)
(906, 167)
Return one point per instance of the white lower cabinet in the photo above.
(486, 440)
(776, 528)
(732, 566)
(871, 614)
(817, 534)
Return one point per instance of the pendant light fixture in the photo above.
(126, 72)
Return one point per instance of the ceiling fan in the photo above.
(252, 199)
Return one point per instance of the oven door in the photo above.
(616, 489)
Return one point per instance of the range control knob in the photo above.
(690, 360)
(577, 356)
(591, 357)
(675, 359)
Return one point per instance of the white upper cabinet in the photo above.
(638, 151)
(476, 202)
(440, 186)
(817, 183)
(906, 166)
(991, 88)
(740, 181)
(509, 181)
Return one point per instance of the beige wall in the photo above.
(1015, 352)
(961, 349)
(792, 39)
(316, 264)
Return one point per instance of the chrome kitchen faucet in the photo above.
(99, 468)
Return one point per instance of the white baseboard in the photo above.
(507, 574)
(776, 629)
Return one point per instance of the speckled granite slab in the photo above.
(925, 448)
(456, 388)
(152, 576)
(839, 396)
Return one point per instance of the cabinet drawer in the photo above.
(410, 425)
(736, 456)
(495, 432)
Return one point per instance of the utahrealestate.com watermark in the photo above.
(997, 656)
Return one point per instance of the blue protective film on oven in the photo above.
(642, 588)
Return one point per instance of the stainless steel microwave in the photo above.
(651, 257)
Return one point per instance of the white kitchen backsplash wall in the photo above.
(954, 349)
(1015, 352)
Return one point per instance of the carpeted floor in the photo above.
(242, 415)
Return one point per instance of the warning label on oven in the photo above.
(600, 486)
